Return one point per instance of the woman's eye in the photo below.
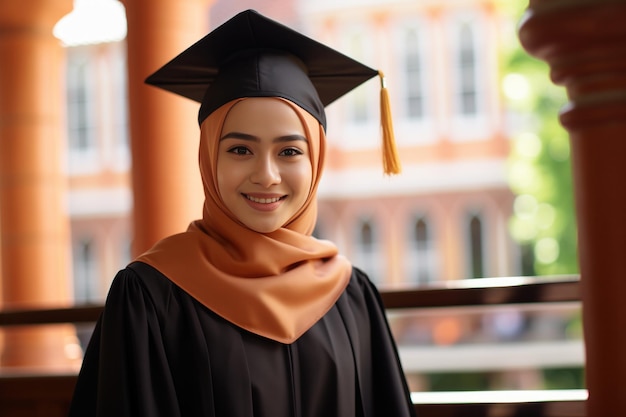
(291, 152)
(239, 150)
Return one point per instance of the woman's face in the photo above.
(264, 171)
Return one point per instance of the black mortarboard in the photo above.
(251, 55)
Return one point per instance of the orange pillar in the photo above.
(164, 130)
(34, 226)
(584, 43)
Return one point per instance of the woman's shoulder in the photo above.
(361, 287)
(140, 280)
(148, 275)
(360, 278)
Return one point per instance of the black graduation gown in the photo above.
(156, 351)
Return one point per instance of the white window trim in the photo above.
(412, 131)
(468, 127)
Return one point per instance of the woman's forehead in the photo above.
(263, 113)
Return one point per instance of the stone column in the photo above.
(164, 130)
(584, 43)
(33, 221)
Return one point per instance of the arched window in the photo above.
(359, 110)
(476, 247)
(367, 238)
(80, 106)
(472, 75)
(368, 256)
(421, 251)
(85, 275)
(120, 99)
(414, 78)
(421, 261)
(467, 93)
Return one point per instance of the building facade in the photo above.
(445, 217)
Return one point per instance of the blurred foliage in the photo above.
(564, 378)
(552, 378)
(539, 163)
(459, 381)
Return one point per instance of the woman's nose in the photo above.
(266, 172)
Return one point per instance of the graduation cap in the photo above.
(251, 55)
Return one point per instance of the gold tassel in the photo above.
(391, 160)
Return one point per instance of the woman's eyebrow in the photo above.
(246, 136)
(290, 138)
(239, 135)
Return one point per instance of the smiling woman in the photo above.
(246, 313)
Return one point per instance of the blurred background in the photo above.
(485, 191)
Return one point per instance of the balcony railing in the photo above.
(49, 394)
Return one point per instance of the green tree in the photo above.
(539, 164)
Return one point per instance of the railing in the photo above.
(485, 293)
(49, 395)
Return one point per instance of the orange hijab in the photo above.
(276, 285)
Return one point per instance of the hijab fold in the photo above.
(276, 285)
